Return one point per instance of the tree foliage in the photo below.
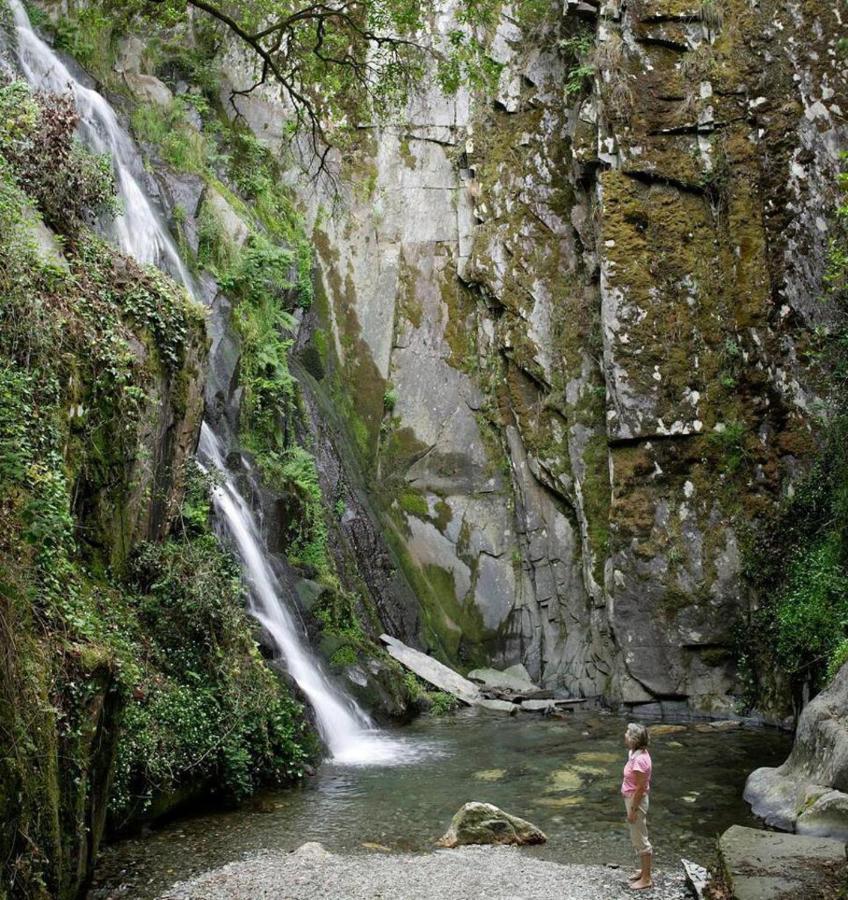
(341, 63)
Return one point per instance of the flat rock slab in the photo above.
(467, 873)
(432, 671)
(765, 865)
(515, 678)
(498, 706)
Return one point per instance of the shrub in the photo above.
(70, 186)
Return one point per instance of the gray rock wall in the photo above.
(569, 323)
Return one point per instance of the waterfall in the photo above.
(140, 232)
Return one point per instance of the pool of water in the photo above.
(563, 775)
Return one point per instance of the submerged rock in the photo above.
(484, 823)
(763, 864)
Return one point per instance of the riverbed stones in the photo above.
(496, 873)
(809, 792)
(485, 823)
(764, 865)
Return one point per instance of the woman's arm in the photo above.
(641, 779)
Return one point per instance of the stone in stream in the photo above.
(432, 671)
(498, 706)
(537, 705)
(484, 823)
(809, 792)
(516, 679)
(765, 865)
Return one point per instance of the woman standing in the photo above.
(635, 787)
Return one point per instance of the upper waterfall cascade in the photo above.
(140, 232)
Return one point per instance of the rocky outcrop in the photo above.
(569, 333)
(432, 671)
(809, 792)
(759, 864)
(567, 326)
(483, 823)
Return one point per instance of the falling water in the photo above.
(345, 728)
(140, 232)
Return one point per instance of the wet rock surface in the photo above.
(501, 873)
(590, 315)
(809, 792)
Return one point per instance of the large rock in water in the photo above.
(431, 670)
(809, 792)
(763, 865)
(515, 679)
(484, 823)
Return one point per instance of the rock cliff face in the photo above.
(570, 327)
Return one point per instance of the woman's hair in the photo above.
(637, 735)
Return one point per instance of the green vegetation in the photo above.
(124, 650)
(579, 48)
(252, 240)
(729, 441)
(390, 399)
(438, 702)
(205, 709)
(87, 36)
(798, 560)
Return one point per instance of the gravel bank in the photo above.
(468, 873)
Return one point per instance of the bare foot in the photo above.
(641, 885)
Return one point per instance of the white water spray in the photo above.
(346, 729)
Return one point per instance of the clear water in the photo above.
(564, 775)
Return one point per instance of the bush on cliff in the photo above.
(110, 648)
(798, 561)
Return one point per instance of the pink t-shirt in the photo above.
(639, 761)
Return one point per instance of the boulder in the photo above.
(809, 792)
(149, 89)
(765, 865)
(431, 670)
(484, 823)
(515, 679)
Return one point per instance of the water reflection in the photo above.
(562, 775)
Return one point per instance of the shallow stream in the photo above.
(563, 775)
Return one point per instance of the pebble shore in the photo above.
(467, 873)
